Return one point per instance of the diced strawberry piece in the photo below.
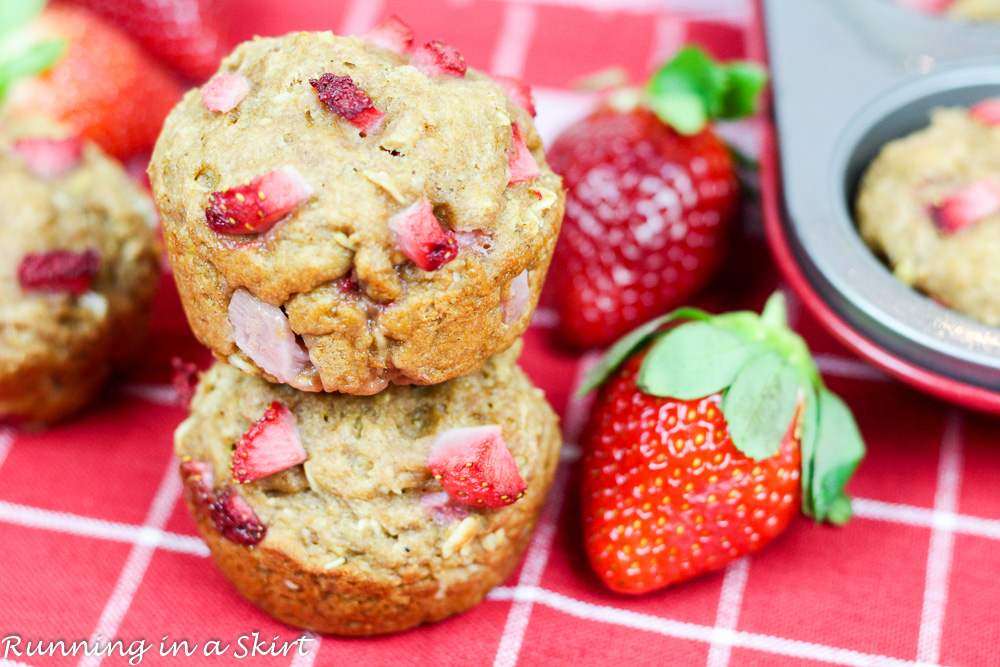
(369, 120)
(51, 158)
(59, 271)
(518, 91)
(271, 445)
(256, 206)
(235, 519)
(199, 483)
(185, 379)
(439, 59)
(343, 96)
(232, 515)
(224, 92)
(966, 207)
(441, 508)
(515, 305)
(475, 467)
(263, 333)
(523, 166)
(391, 34)
(421, 238)
(987, 111)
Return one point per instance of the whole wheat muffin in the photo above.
(361, 538)
(930, 203)
(79, 265)
(381, 218)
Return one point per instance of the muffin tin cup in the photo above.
(827, 132)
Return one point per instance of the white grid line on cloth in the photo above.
(669, 35)
(12, 663)
(509, 646)
(517, 28)
(361, 16)
(728, 614)
(926, 518)
(309, 658)
(74, 524)
(793, 648)
(138, 560)
(709, 10)
(939, 555)
(7, 437)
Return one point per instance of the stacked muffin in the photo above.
(360, 228)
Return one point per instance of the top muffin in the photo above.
(349, 215)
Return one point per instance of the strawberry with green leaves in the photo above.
(705, 440)
(652, 195)
(67, 64)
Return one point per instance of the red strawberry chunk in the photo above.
(59, 271)
(421, 238)
(441, 508)
(523, 166)
(262, 331)
(343, 96)
(199, 483)
(185, 379)
(271, 445)
(224, 92)
(230, 513)
(966, 207)
(987, 111)
(391, 34)
(235, 519)
(256, 206)
(518, 92)
(51, 158)
(439, 59)
(475, 467)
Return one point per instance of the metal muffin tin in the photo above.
(848, 76)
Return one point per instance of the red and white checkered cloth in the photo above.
(95, 541)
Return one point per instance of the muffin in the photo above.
(348, 530)
(79, 265)
(930, 204)
(341, 216)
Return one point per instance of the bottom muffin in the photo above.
(362, 537)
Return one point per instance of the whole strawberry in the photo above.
(75, 68)
(704, 442)
(652, 194)
(184, 34)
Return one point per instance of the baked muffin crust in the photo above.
(366, 313)
(351, 547)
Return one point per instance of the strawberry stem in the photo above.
(693, 88)
(23, 54)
